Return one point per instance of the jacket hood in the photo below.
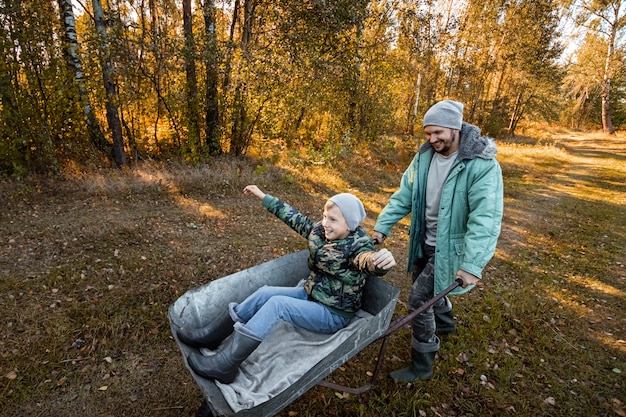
(471, 144)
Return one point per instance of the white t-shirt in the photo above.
(440, 167)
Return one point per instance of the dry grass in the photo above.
(100, 257)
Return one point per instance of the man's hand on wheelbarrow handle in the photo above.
(465, 279)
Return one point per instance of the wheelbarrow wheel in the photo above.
(204, 410)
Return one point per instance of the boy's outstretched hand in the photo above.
(384, 259)
(255, 191)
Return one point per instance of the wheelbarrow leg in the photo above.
(204, 410)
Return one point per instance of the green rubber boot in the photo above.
(209, 336)
(421, 368)
(223, 366)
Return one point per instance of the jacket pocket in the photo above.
(459, 246)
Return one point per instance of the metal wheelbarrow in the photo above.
(199, 306)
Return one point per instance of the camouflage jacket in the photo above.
(339, 268)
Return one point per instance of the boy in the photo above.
(341, 257)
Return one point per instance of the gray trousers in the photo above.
(423, 325)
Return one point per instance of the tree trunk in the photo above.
(211, 61)
(9, 110)
(75, 65)
(229, 49)
(119, 155)
(41, 127)
(193, 124)
(513, 119)
(241, 131)
(413, 116)
(607, 123)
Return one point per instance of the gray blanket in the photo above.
(282, 358)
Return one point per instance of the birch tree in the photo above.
(74, 62)
(106, 63)
(607, 17)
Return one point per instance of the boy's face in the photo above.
(335, 225)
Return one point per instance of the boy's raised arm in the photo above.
(255, 191)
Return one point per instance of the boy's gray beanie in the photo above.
(446, 113)
(351, 208)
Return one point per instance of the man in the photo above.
(453, 190)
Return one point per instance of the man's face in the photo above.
(444, 140)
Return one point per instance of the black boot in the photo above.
(445, 323)
(209, 336)
(224, 364)
(421, 367)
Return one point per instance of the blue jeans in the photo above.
(262, 310)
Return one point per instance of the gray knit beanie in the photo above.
(446, 113)
(351, 208)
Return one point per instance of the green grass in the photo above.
(101, 257)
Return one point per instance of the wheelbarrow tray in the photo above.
(199, 306)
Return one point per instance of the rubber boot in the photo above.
(209, 336)
(421, 368)
(224, 364)
(445, 323)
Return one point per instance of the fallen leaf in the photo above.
(108, 359)
(103, 388)
(11, 375)
(549, 401)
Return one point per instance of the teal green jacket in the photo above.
(470, 214)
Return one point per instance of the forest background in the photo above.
(111, 83)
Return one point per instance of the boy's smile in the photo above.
(335, 225)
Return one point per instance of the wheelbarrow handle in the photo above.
(404, 320)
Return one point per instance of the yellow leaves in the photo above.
(342, 395)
